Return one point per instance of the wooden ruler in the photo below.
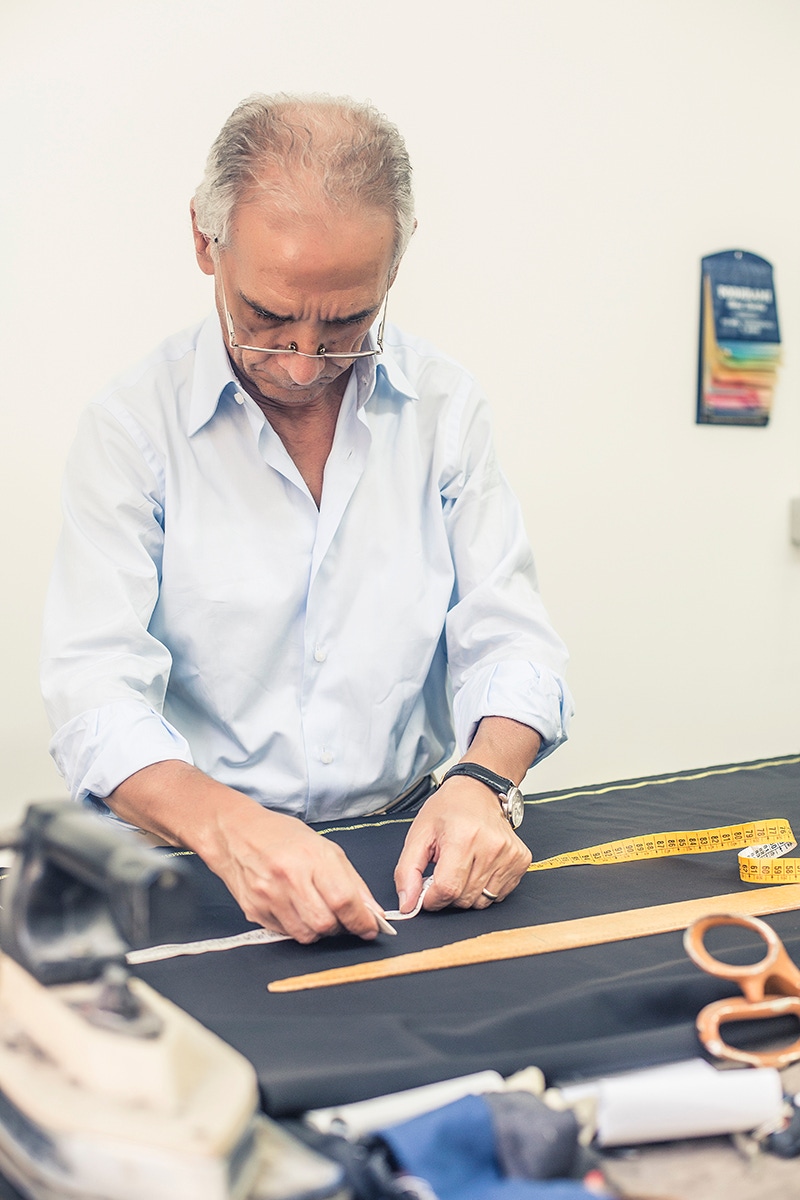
(558, 935)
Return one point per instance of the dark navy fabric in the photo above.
(574, 1013)
(453, 1150)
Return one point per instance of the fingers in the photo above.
(307, 913)
(463, 831)
(416, 854)
(289, 878)
(487, 898)
(334, 899)
(464, 883)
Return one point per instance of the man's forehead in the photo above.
(356, 243)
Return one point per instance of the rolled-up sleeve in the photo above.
(103, 675)
(504, 656)
(98, 749)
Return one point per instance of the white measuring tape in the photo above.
(762, 845)
(251, 937)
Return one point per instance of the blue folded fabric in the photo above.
(453, 1150)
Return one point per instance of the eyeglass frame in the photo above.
(292, 347)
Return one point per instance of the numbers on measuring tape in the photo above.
(763, 847)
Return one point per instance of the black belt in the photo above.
(411, 800)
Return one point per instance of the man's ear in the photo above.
(202, 246)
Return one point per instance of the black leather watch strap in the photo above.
(512, 802)
(498, 783)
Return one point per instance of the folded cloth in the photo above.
(455, 1151)
(533, 1141)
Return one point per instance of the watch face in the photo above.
(514, 807)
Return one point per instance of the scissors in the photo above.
(771, 988)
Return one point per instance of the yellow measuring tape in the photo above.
(763, 847)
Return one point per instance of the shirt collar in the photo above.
(395, 375)
(367, 371)
(213, 375)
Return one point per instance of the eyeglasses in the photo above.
(322, 352)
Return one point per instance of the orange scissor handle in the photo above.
(771, 988)
(713, 1015)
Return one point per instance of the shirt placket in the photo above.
(325, 610)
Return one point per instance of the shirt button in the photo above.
(326, 757)
(320, 653)
(239, 398)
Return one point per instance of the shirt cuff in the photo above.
(522, 691)
(98, 749)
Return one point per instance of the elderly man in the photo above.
(291, 571)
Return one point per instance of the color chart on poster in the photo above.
(740, 345)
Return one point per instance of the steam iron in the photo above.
(108, 1091)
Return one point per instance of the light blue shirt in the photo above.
(320, 660)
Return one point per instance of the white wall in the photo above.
(574, 161)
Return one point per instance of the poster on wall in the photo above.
(740, 344)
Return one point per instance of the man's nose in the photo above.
(303, 370)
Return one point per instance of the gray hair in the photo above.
(295, 150)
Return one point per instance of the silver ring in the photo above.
(489, 895)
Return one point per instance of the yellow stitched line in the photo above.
(368, 825)
(656, 782)
(330, 829)
(589, 791)
(599, 791)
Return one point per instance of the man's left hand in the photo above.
(461, 829)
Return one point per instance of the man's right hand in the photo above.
(289, 878)
(282, 874)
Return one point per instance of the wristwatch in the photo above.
(511, 799)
